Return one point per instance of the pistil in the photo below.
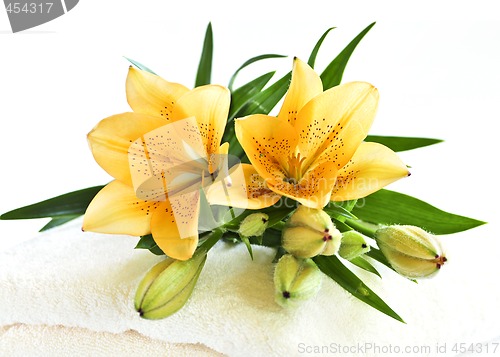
(295, 168)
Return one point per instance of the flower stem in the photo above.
(211, 240)
(366, 228)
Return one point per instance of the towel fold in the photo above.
(22, 340)
(66, 283)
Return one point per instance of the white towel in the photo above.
(68, 292)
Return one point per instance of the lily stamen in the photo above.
(295, 168)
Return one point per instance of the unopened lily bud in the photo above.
(353, 245)
(295, 280)
(410, 250)
(310, 232)
(254, 225)
(167, 286)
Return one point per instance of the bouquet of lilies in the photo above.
(193, 167)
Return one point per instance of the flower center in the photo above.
(295, 168)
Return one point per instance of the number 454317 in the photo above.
(29, 8)
(473, 348)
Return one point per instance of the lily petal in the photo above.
(210, 106)
(150, 94)
(333, 124)
(175, 229)
(314, 189)
(305, 85)
(116, 210)
(268, 143)
(111, 138)
(243, 188)
(224, 149)
(372, 167)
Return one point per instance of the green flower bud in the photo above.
(254, 225)
(353, 245)
(410, 250)
(310, 232)
(295, 280)
(167, 286)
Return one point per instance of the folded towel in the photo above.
(75, 291)
(54, 341)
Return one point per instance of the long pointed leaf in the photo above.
(139, 65)
(332, 75)
(333, 267)
(399, 143)
(244, 93)
(337, 211)
(249, 62)
(58, 221)
(364, 264)
(389, 207)
(265, 101)
(314, 53)
(70, 204)
(376, 254)
(204, 74)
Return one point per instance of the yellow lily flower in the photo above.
(313, 151)
(161, 155)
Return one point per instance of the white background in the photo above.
(435, 64)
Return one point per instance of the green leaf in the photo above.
(247, 244)
(249, 62)
(332, 75)
(389, 207)
(147, 242)
(68, 205)
(348, 205)
(376, 254)
(58, 221)
(244, 93)
(204, 73)
(337, 211)
(265, 101)
(398, 143)
(140, 65)
(314, 53)
(365, 265)
(333, 267)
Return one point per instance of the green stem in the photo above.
(367, 229)
(211, 240)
